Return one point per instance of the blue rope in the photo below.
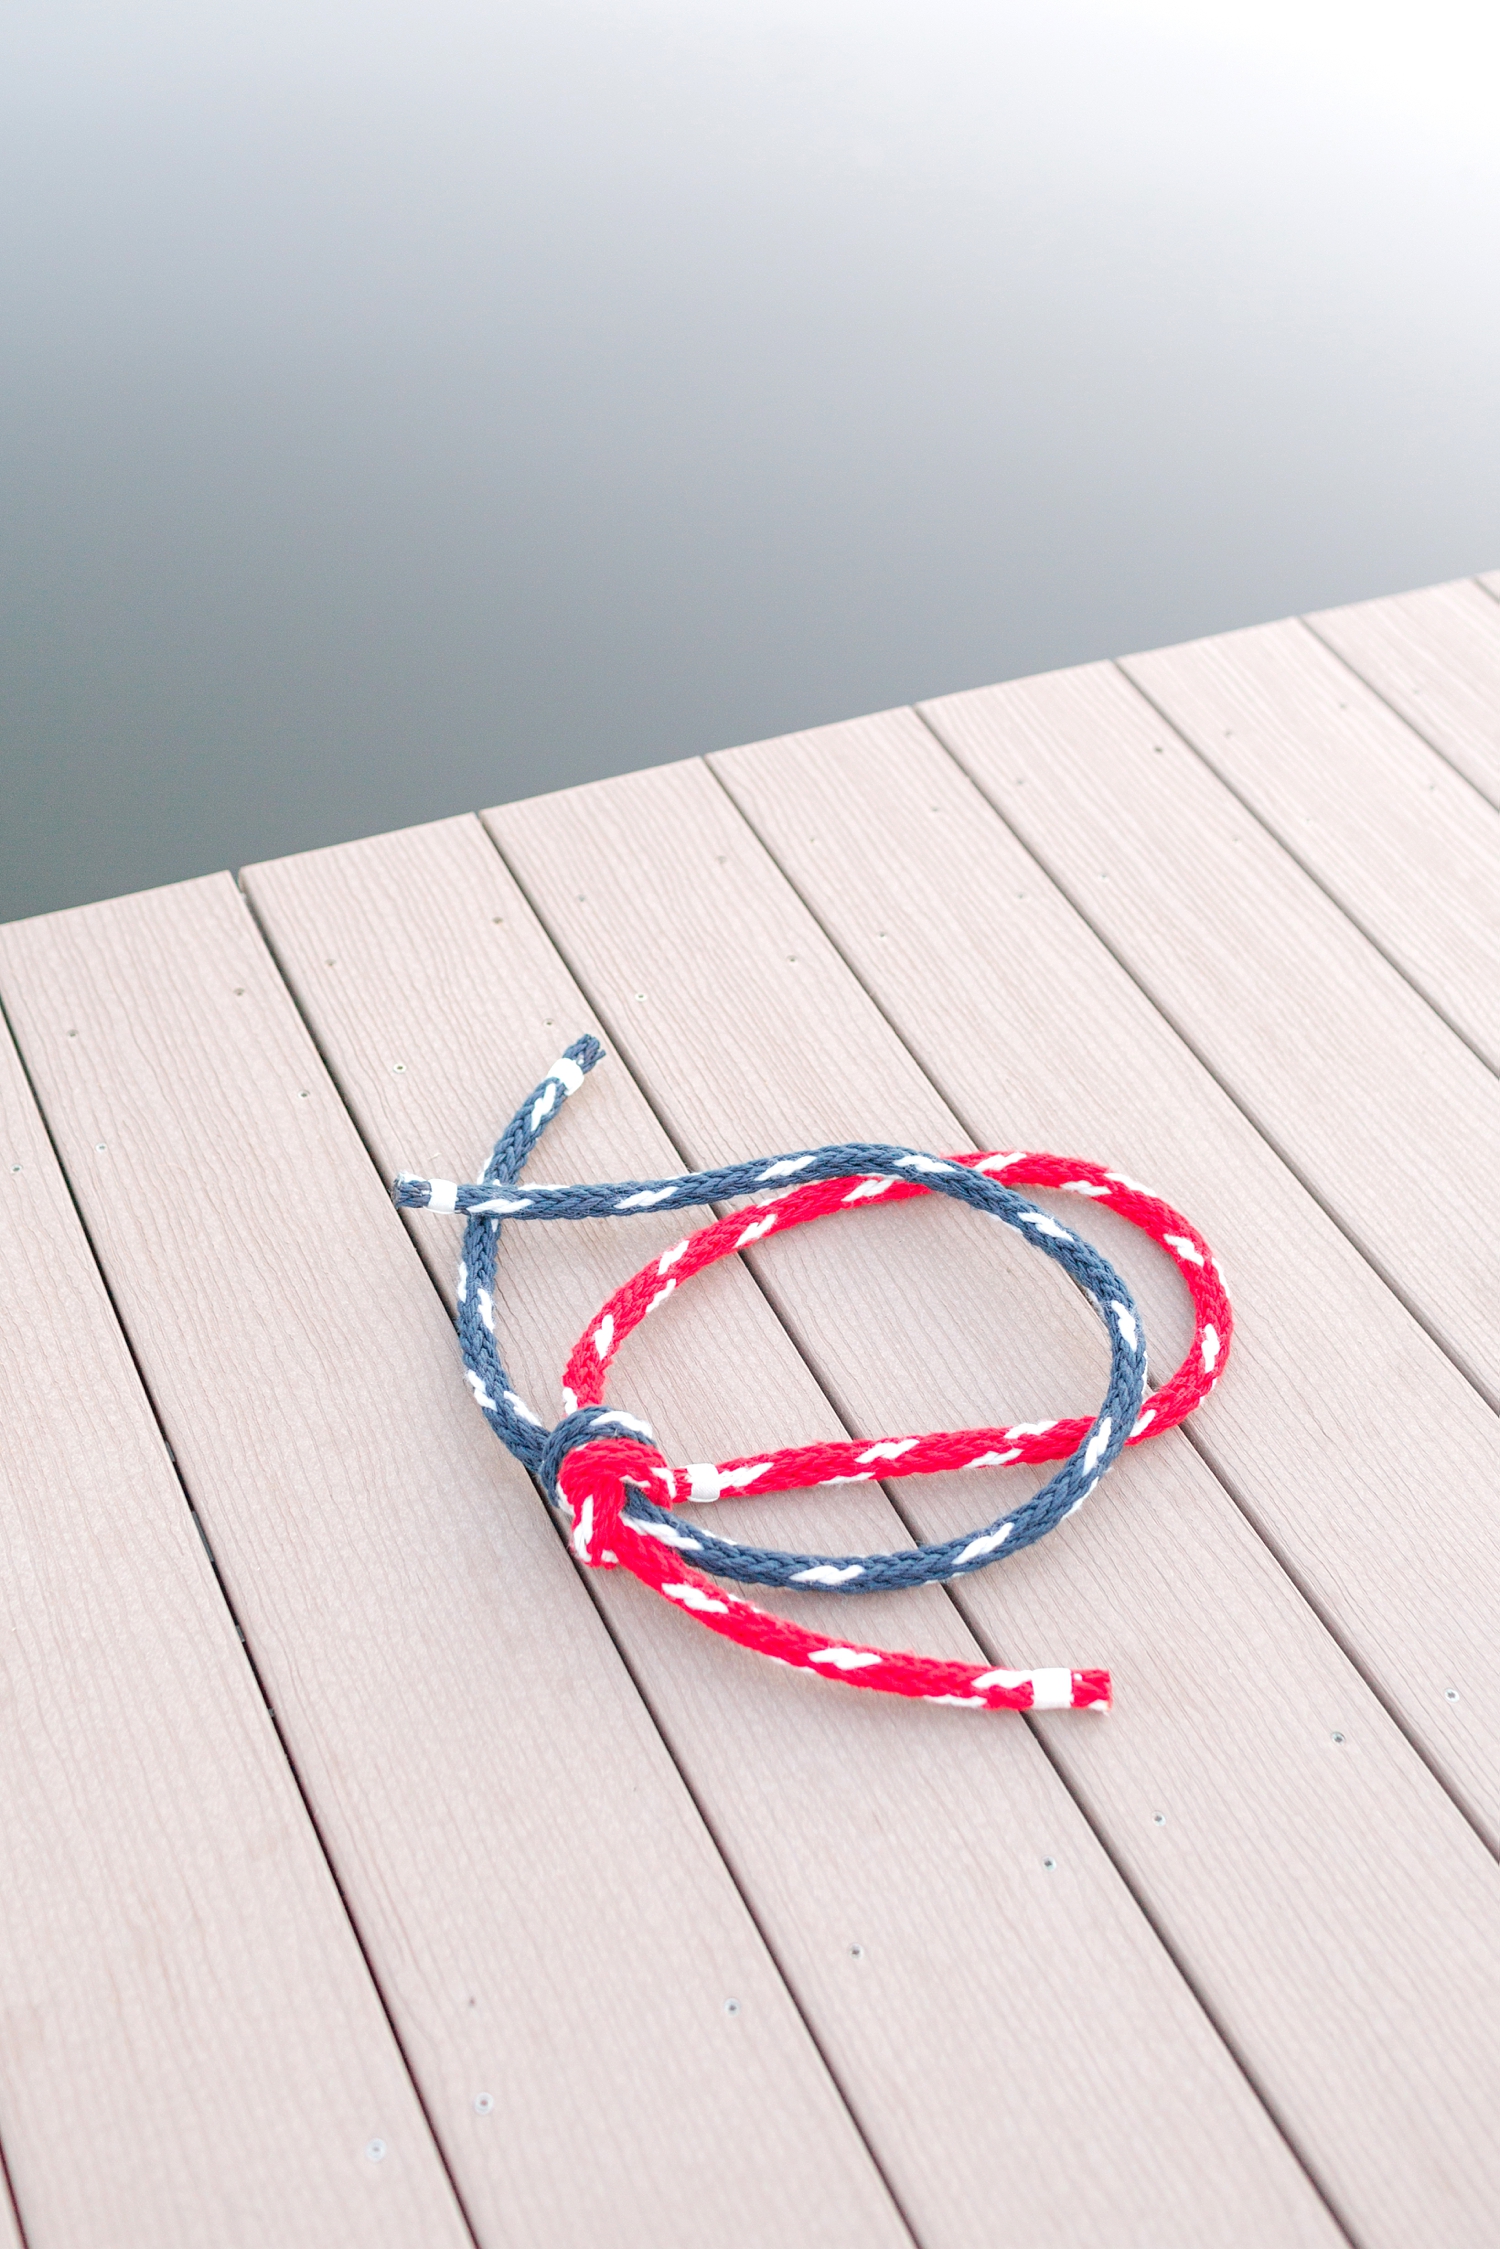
(496, 1197)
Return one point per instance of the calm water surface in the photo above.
(405, 407)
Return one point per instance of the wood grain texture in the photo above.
(192, 2049)
(1022, 2056)
(1373, 1101)
(1038, 1038)
(551, 1926)
(1435, 657)
(1404, 844)
(1328, 1905)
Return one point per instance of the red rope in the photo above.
(594, 1478)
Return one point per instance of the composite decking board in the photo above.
(850, 1821)
(1310, 1886)
(193, 2048)
(1434, 655)
(1406, 845)
(551, 1927)
(1376, 1104)
(1039, 1038)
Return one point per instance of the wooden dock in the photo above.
(370, 1877)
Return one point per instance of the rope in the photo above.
(601, 1466)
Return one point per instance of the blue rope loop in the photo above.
(495, 1197)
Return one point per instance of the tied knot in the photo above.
(585, 1470)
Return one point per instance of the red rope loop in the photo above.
(596, 1477)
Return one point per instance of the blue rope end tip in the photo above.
(585, 1052)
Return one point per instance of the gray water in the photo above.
(406, 407)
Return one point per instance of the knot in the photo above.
(590, 1497)
(590, 1478)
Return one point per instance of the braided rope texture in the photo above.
(603, 1471)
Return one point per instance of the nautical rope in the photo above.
(599, 1465)
(862, 1171)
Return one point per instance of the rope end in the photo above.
(408, 1192)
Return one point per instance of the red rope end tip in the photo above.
(1091, 1691)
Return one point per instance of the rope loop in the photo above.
(615, 1489)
